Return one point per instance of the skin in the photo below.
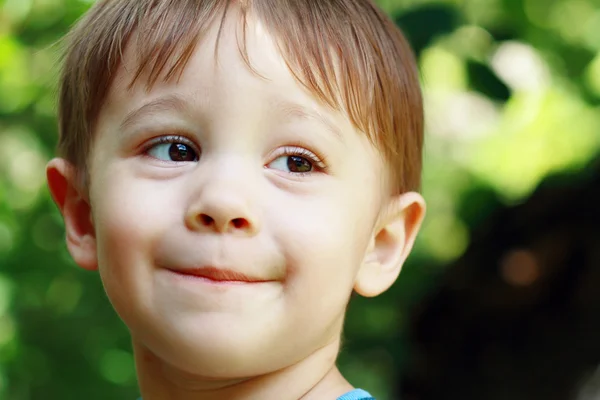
(313, 238)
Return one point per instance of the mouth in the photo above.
(219, 275)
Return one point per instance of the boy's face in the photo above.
(256, 177)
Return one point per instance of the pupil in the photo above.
(299, 164)
(181, 152)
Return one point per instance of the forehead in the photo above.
(234, 54)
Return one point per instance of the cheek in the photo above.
(129, 215)
(325, 241)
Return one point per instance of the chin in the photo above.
(213, 353)
(215, 362)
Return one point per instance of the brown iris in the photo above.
(299, 164)
(181, 152)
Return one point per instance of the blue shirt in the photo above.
(356, 394)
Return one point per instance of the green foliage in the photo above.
(512, 89)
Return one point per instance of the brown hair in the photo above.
(346, 52)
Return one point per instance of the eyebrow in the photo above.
(294, 110)
(177, 103)
(166, 103)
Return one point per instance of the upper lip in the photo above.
(220, 274)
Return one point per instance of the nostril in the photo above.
(206, 219)
(239, 223)
(235, 223)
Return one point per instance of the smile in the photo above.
(219, 275)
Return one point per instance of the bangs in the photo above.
(336, 49)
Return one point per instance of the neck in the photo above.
(315, 377)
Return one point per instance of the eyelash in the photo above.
(318, 161)
(170, 139)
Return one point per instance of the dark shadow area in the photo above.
(518, 316)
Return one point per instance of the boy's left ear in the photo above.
(392, 241)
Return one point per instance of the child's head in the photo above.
(236, 169)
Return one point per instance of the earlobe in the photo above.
(76, 211)
(391, 244)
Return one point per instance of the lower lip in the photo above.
(205, 280)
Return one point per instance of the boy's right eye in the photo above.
(174, 149)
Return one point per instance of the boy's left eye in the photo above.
(293, 164)
(297, 161)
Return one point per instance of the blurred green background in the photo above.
(512, 92)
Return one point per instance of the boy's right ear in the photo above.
(75, 208)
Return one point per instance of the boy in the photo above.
(235, 170)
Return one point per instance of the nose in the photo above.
(219, 208)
